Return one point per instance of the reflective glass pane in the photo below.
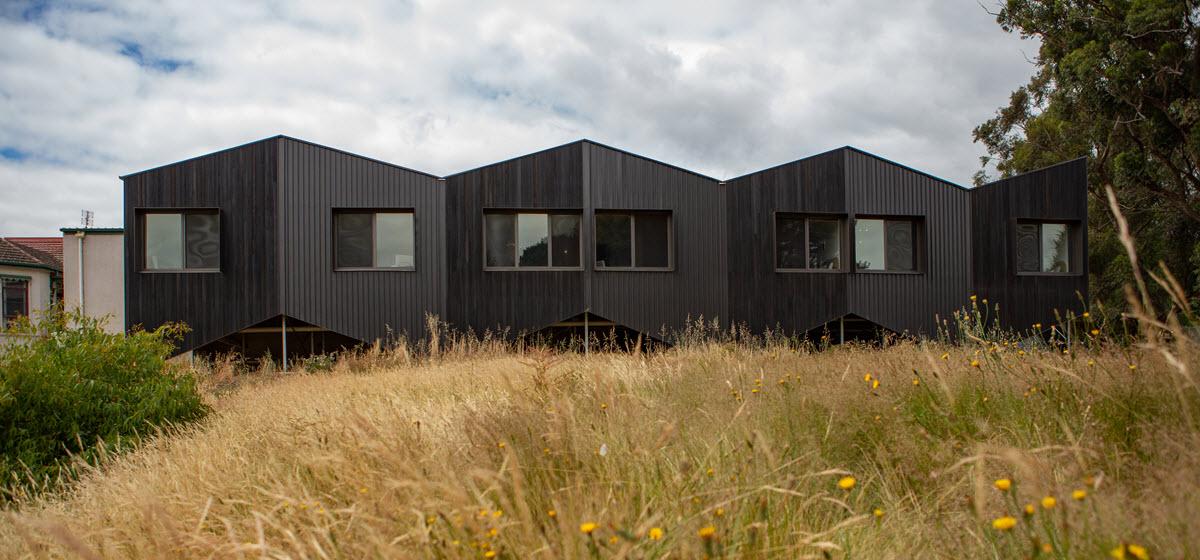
(789, 241)
(533, 240)
(202, 240)
(900, 246)
(501, 237)
(652, 234)
(354, 238)
(824, 244)
(1055, 248)
(614, 248)
(1028, 247)
(868, 244)
(565, 242)
(394, 243)
(16, 300)
(164, 241)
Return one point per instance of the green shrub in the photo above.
(73, 390)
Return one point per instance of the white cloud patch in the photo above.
(93, 90)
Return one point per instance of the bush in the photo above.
(78, 391)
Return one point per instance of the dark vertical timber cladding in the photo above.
(654, 302)
(241, 182)
(364, 304)
(1054, 193)
(904, 301)
(759, 296)
(520, 300)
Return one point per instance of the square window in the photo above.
(886, 244)
(1043, 247)
(531, 240)
(807, 242)
(374, 240)
(181, 240)
(633, 240)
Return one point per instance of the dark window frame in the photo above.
(919, 243)
(633, 240)
(374, 212)
(808, 217)
(183, 211)
(549, 213)
(5, 282)
(1074, 246)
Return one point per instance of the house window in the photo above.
(1044, 247)
(807, 242)
(889, 245)
(16, 299)
(369, 239)
(187, 240)
(531, 240)
(633, 240)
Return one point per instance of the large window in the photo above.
(373, 239)
(531, 240)
(633, 240)
(16, 298)
(807, 242)
(886, 244)
(1044, 247)
(181, 240)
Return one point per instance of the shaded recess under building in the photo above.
(266, 339)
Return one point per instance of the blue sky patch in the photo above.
(134, 51)
(11, 153)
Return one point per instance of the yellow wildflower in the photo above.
(719, 512)
(1138, 551)
(945, 355)
(656, 533)
(1091, 363)
(613, 540)
(1049, 502)
(603, 406)
(1079, 495)
(497, 513)
(1046, 548)
(710, 472)
(1005, 523)
(1086, 314)
(866, 377)
(846, 482)
(552, 513)
(975, 363)
(916, 381)
(1132, 367)
(587, 528)
(1029, 509)
(500, 445)
(1095, 332)
(493, 532)
(974, 297)
(875, 384)
(1003, 484)
(489, 554)
(707, 533)
(878, 513)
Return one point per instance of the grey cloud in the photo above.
(721, 88)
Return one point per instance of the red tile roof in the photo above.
(34, 251)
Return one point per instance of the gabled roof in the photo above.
(552, 148)
(34, 252)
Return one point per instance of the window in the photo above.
(368, 239)
(531, 240)
(1044, 247)
(807, 242)
(889, 245)
(187, 240)
(633, 240)
(16, 299)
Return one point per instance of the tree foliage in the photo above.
(1117, 81)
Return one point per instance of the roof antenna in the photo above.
(85, 218)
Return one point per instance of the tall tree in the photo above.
(1117, 81)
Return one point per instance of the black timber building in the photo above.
(286, 236)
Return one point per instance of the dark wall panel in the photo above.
(904, 301)
(242, 183)
(364, 304)
(1055, 193)
(519, 300)
(652, 302)
(759, 296)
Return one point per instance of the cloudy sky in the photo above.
(90, 91)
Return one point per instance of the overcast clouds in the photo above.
(92, 91)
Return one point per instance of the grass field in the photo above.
(713, 449)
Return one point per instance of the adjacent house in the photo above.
(30, 275)
(290, 247)
(94, 274)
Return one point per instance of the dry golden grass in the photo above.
(513, 454)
